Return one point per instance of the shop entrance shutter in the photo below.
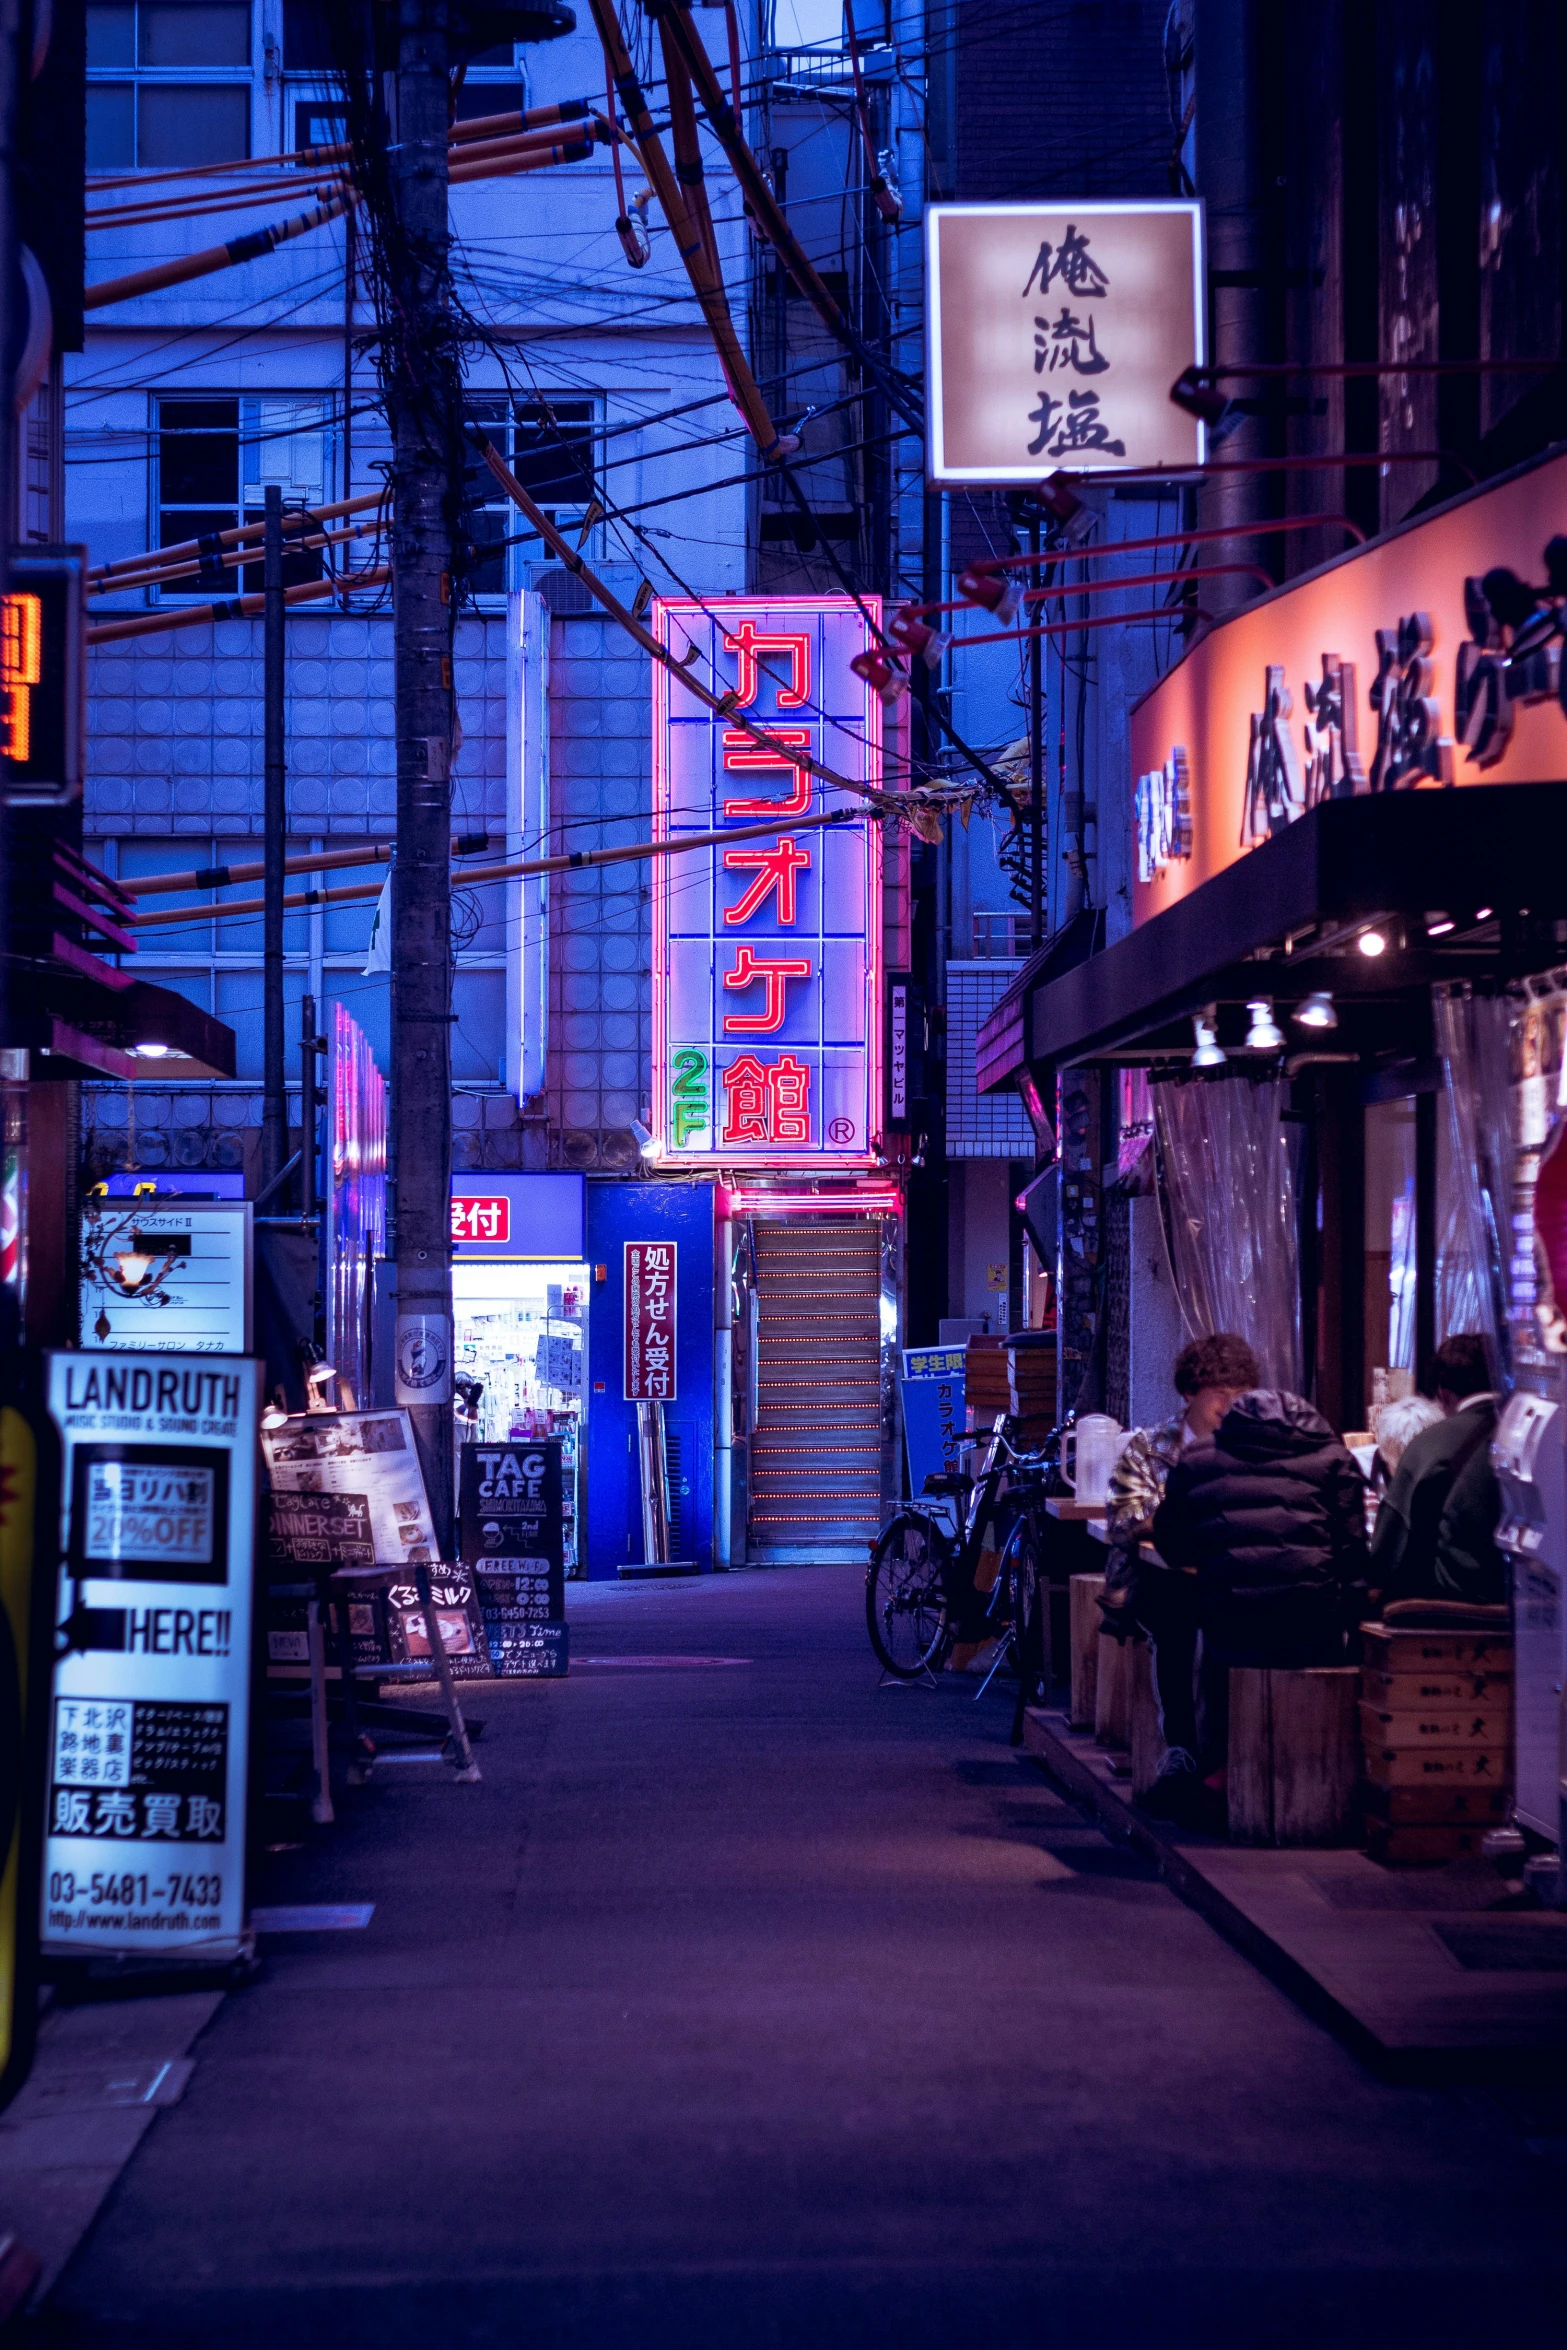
(816, 1450)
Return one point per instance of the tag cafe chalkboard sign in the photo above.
(513, 1539)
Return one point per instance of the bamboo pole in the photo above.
(528, 869)
(108, 632)
(241, 534)
(212, 258)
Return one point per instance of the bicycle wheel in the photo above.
(906, 1596)
(1028, 1598)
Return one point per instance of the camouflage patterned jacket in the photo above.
(1138, 1479)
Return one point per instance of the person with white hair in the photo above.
(1398, 1424)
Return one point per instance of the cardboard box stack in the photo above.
(985, 1381)
(1031, 1385)
(1436, 1714)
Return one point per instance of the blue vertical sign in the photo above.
(934, 1410)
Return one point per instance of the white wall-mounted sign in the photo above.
(150, 1727)
(1053, 335)
(169, 1274)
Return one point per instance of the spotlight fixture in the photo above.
(1317, 1011)
(880, 671)
(1264, 1035)
(918, 639)
(1372, 943)
(998, 592)
(274, 1412)
(1210, 1054)
(1207, 403)
(1438, 925)
(642, 1138)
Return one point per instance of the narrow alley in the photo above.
(748, 2002)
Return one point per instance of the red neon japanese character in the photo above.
(769, 1101)
(789, 1084)
(775, 869)
(748, 641)
(774, 972)
(748, 1110)
(742, 755)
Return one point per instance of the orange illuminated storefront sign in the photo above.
(1402, 666)
(42, 665)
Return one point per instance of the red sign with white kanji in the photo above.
(767, 1027)
(650, 1321)
(481, 1216)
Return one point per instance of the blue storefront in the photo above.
(538, 1280)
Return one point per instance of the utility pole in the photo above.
(424, 400)
(274, 826)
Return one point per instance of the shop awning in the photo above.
(1465, 882)
(76, 1026)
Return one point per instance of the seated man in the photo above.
(1162, 1601)
(1270, 1511)
(1434, 1529)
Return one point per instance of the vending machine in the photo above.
(1529, 1450)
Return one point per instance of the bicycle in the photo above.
(921, 1597)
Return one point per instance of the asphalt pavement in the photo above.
(746, 2002)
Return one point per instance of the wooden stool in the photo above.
(1085, 1621)
(1147, 1738)
(1113, 1693)
(1294, 1760)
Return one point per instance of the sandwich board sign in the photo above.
(144, 1852)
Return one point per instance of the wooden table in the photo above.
(1061, 1505)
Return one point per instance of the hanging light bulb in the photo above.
(998, 592)
(1372, 943)
(1316, 1011)
(1264, 1035)
(1210, 1054)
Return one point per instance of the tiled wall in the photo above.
(600, 920)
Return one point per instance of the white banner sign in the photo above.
(150, 1729)
(174, 1275)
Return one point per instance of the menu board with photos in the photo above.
(511, 1509)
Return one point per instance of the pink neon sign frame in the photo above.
(676, 620)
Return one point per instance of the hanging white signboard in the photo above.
(174, 1275)
(150, 1733)
(1053, 334)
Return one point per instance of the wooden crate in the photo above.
(1455, 1805)
(1390, 1650)
(1438, 1725)
(1424, 1845)
(985, 1375)
(1294, 1758)
(1406, 1692)
(1448, 1766)
(1084, 1621)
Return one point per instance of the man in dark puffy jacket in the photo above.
(1270, 1511)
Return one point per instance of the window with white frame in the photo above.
(494, 83)
(213, 459)
(168, 83)
(552, 449)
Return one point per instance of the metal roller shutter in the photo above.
(816, 1450)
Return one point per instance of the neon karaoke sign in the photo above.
(766, 955)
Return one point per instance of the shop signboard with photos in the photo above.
(1053, 335)
(511, 1513)
(347, 1492)
(150, 1732)
(767, 1031)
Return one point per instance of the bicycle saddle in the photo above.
(947, 1481)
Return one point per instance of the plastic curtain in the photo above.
(1229, 1183)
(1472, 1038)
